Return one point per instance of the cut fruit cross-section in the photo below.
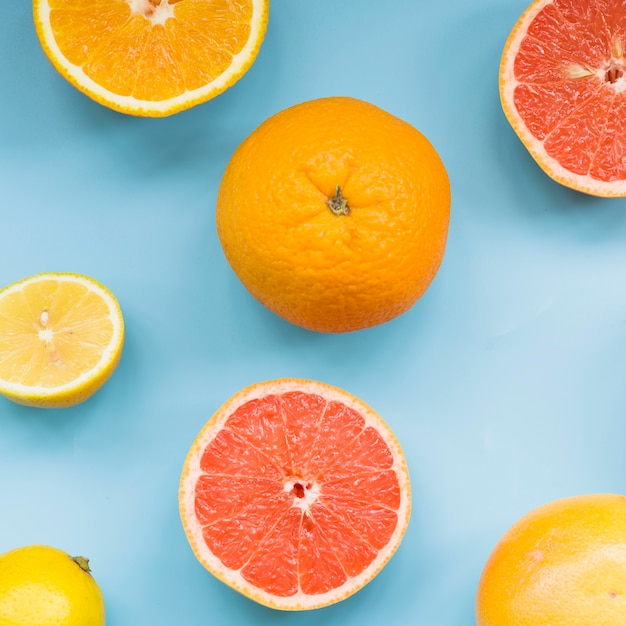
(563, 89)
(151, 57)
(295, 493)
(61, 338)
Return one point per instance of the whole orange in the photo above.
(563, 564)
(334, 214)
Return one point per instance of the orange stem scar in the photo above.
(339, 205)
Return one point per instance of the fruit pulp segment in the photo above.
(123, 50)
(52, 331)
(298, 493)
(572, 91)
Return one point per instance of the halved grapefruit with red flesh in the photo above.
(563, 89)
(295, 493)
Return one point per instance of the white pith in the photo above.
(158, 14)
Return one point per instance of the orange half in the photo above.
(151, 57)
(295, 493)
(563, 89)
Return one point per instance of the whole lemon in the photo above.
(44, 586)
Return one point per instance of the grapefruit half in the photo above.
(295, 493)
(563, 89)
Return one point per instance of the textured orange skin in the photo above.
(327, 272)
(563, 564)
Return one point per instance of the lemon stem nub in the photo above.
(339, 205)
(82, 562)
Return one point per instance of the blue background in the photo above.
(504, 383)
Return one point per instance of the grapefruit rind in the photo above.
(563, 562)
(88, 382)
(507, 85)
(76, 76)
(232, 578)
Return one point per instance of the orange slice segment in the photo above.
(295, 493)
(563, 89)
(151, 57)
(61, 338)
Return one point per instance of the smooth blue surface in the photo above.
(505, 384)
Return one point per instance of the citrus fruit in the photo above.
(151, 57)
(61, 338)
(334, 214)
(563, 89)
(562, 564)
(295, 493)
(44, 586)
